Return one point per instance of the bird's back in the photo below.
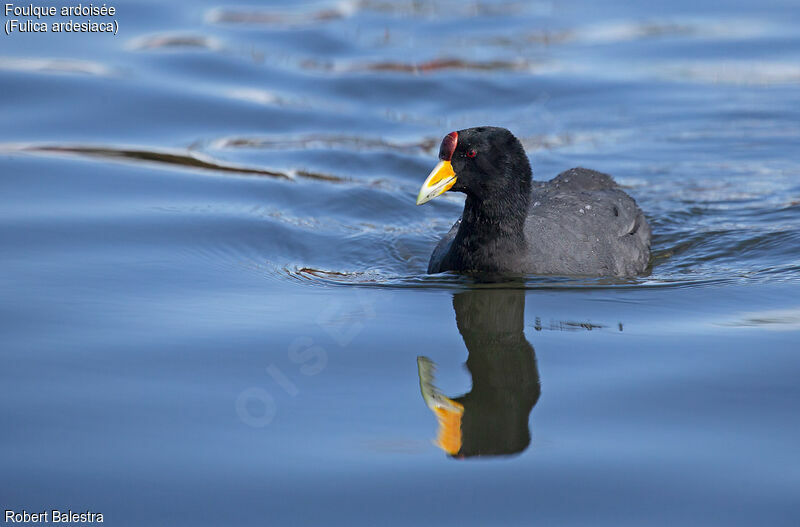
(581, 223)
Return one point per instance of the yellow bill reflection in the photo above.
(448, 412)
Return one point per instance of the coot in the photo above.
(579, 223)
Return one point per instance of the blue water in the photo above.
(213, 289)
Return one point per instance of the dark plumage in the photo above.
(580, 223)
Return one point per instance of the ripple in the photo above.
(323, 141)
(347, 9)
(774, 319)
(632, 31)
(451, 281)
(173, 41)
(338, 277)
(743, 72)
(180, 158)
(266, 98)
(414, 8)
(423, 67)
(283, 18)
(68, 66)
(626, 31)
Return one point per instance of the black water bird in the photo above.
(580, 223)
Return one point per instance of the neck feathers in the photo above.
(491, 230)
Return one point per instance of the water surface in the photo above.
(213, 280)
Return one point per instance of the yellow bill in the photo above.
(440, 180)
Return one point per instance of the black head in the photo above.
(485, 163)
(488, 162)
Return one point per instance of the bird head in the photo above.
(486, 163)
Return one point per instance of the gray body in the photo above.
(580, 223)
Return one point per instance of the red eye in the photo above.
(471, 153)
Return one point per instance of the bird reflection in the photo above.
(492, 419)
